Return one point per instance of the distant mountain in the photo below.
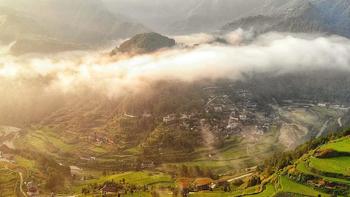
(145, 43)
(322, 16)
(207, 15)
(29, 35)
(79, 22)
(183, 16)
(13, 24)
(191, 16)
(42, 45)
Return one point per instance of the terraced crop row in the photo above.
(9, 183)
(312, 176)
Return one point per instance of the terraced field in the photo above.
(339, 165)
(238, 192)
(138, 178)
(235, 157)
(9, 183)
(57, 145)
(341, 145)
(236, 154)
(312, 176)
(289, 186)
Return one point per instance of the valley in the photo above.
(236, 98)
(231, 133)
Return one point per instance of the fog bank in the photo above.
(274, 53)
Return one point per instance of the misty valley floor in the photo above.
(41, 154)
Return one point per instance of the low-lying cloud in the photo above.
(275, 53)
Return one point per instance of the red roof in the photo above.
(203, 181)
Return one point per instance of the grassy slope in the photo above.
(137, 178)
(44, 141)
(302, 167)
(143, 177)
(56, 145)
(339, 165)
(290, 186)
(238, 192)
(341, 145)
(236, 154)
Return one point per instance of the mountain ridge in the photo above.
(313, 16)
(81, 23)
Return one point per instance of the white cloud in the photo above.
(274, 52)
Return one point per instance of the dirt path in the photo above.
(21, 184)
(323, 129)
(239, 177)
(339, 122)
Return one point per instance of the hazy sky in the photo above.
(160, 15)
(184, 15)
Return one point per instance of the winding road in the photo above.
(323, 129)
(239, 177)
(21, 184)
(339, 122)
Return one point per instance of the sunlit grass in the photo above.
(339, 165)
(290, 186)
(341, 145)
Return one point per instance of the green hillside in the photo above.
(321, 171)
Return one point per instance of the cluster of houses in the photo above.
(231, 114)
(239, 111)
(321, 183)
(100, 139)
(113, 188)
(186, 121)
(236, 111)
(185, 185)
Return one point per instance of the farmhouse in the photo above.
(32, 189)
(203, 184)
(185, 116)
(169, 118)
(322, 104)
